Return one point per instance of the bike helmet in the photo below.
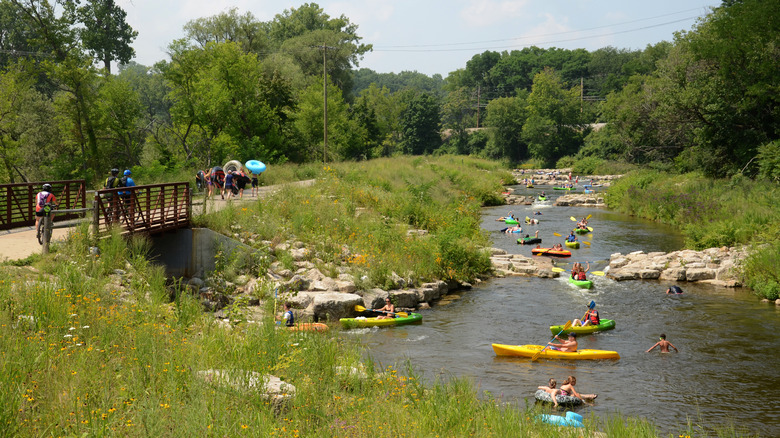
(47, 187)
(127, 172)
(115, 171)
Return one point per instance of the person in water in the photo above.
(515, 229)
(507, 217)
(567, 389)
(664, 344)
(674, 290)
(388, 309)
(591, 316)
(569, 345)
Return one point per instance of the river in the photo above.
(726, 371)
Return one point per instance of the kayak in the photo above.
(565, 400)
(581, 230)
(585, 284)
(530, 350)
(551, 252)
(529, 240)
(543, 198)
(574, 244)
(510, 221)
(604, 324)
(564, 188)
(529, 186)
(348, 323)
(309, 327)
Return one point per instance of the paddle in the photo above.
(599, 273)
(556, 234)
(539, 353)
(589, 229)
(363, 309)
(558, 270)
(586, 243)
(590, 306)
(589, 216)
(572, 219)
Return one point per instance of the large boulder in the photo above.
(331, 306)
(278, 392)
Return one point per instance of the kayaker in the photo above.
(388, 310)
(571, 237)
(674, 290)
(570, 344)
(664, 344)
(288, 318)
(591, 316)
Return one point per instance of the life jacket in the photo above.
(290, 319)
(581, 276)
(593, 316)
(43, 198)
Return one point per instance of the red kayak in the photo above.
(551, 252)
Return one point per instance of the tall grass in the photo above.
(359, 215)
(711, 213)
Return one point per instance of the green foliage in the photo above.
(769, 161)
(420, 124)
(760, 270)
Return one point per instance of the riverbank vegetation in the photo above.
(711, 213)
(418, 217)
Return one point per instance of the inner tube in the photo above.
(529, 240)
(255, 166)
(511, 221)
(569, 400)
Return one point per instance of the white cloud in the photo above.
(481, 13)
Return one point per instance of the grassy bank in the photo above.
(359, 216)
(711, 213)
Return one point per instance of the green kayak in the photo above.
(606, 324)
(574, 244)
(581, 230)
(564, 188)
(350, 323)
(543, 198)
(585, 284)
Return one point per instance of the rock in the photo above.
(242, 280)
(297, 283)
(397, 281)
(273, 389)
(196, 283)
(622, 275)
(648, 274)
(698, 274)
(331, 306)
(405, 298)
(777, 302)
(324, 284)
(674, 274)
(347, 287)
(496, 251)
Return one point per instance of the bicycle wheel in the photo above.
(38, 233)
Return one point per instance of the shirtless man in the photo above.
(569, 345)
(664, 344)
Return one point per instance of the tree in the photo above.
(420, 125)
(552, 129)
(106, 34)
(306, 31)
(120, 110)
(229, 26)
(506, 116)
(458, 115)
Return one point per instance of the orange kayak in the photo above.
(551, 252)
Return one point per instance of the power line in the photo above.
(548, 34)
(539, 43)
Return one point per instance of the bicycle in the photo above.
(46, 235)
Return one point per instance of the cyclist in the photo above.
(45, 196)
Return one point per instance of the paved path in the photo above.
(21, 243)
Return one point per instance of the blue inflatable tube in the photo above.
(255, 166)
(572, 419)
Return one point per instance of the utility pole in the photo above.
(479, 88)
(325, 99)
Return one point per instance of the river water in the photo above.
(726, 372)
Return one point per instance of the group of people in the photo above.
(582, 224)
(232, 182)
(578, 272)
(566, 390)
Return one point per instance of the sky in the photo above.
(438, 36)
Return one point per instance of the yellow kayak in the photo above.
(530, 350)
